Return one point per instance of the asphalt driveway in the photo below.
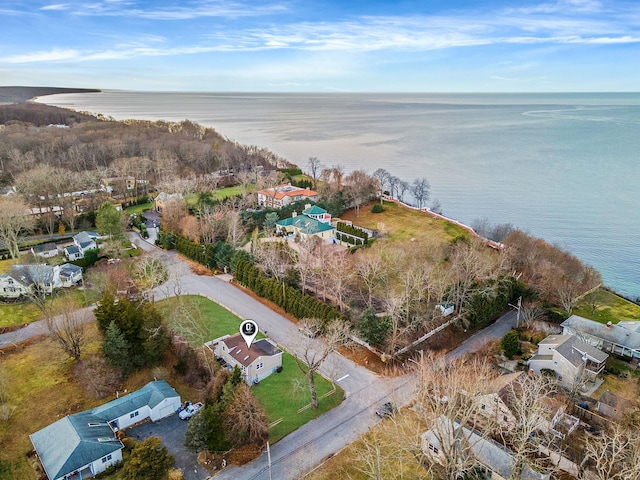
(171, 430)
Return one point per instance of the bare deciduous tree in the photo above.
(67, 330)
(612, 455)
(315, 168)
(445, 398)
(311, 353)
(420, 190)
(245, 421)
(15, 221)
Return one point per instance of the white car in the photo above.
(190, 410)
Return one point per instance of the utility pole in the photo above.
(518, 314)
(269, 460)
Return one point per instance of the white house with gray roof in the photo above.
(621, 339)
(85, 444)
(573, 360)
(25, 279)
(493, 460)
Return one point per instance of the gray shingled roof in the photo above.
(151, 394)
(31, 273)
(613, 333)
(79, 439)
(573, 349)
(71, 443)
(486, 451)
(69, 269)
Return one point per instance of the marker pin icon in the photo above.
(249, 330)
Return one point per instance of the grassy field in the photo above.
(401, 224)
(384, 452)
(281, 394)
(200, 320)
(219, 194)
(40, 387)
(143, 207)
(609, 308)
(20, 313)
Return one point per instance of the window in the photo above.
(106, 459)
(433, 448)
(134, 414)
(259, 366)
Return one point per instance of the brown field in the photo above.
(401, 224)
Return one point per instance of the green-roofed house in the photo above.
(84, 444)
(314, 222)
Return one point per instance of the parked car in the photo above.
(190, 410)
(387, 410)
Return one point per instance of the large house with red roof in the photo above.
(282, 195)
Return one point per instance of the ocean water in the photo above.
(563, 167)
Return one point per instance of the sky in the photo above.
(323, 46)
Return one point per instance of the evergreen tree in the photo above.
(116, 349)
(510, 343)
(105, 310)
(373, 329)
(149, 460)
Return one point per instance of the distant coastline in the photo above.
(17, 94)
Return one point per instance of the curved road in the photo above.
(302, 450)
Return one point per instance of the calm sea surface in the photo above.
(564, 167)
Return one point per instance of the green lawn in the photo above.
(282, 394)
(20, 313)
(143, 207)
(609, 308)
(199, 320)
(220, 194)
(401, 224)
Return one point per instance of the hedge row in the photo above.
(351, 230)
(289, 299)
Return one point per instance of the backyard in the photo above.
(403, 224)
(609, 307)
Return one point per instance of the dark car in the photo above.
(387, 410)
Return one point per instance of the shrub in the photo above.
(377, 208)
(510, 344)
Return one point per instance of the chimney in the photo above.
(294, 214)
(307, 205)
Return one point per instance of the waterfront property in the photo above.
(314, 222)
(621, 339)
(282, 195)
(85, 444)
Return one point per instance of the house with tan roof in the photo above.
(255, 363)
(282, 195)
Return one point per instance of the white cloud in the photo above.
(49, 56)
(58, 6)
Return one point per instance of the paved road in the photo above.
(495, 331)
(305, 448)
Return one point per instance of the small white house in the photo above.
(46, 250)
(256, 363)
(85, 444)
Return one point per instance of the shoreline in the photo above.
(628, 289)
(22, 95)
